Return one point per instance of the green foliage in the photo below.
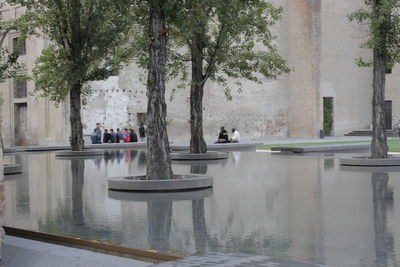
(237, 40)
(328, 115)
(89, 41)
(383, 18)
(8, 60)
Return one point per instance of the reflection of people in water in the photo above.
(126, 155)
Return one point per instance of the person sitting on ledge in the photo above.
(235, 137)
(223, 136)
(107, 137)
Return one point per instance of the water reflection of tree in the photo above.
(70, 220)
(77, 171)
(159, 215)
(198, 215)
(382, 199)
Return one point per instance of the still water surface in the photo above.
(297, 207)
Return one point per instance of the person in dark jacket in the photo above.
(133, 136)
(113, 136)
(120, 136)
(107, 137)
(223, 136)
(142, 132)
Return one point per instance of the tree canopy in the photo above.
(89, 41)
(383, 18)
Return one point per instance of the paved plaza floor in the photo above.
(20, 252)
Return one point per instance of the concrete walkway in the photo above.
(20, 252)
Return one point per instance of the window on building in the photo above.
(20, 88)
(19, 46)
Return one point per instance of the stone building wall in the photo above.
(313, 35)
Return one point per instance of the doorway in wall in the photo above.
(328, 115)
(141, 117)
(388, 114)
(21, 125)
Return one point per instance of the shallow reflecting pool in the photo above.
(297, 207)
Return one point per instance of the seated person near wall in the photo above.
(107, 137)
(235, 136)
(223, 136)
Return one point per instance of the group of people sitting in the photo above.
(224, 138)
(125, 136)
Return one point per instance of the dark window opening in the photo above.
(19, 46)
(20, 88)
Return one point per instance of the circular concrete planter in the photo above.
(12, 168)
(165, 196)
(210, 155)
(368, 162)
(178, 183)
(79, 154)
(199, 162)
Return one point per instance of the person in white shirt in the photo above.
(235, 137)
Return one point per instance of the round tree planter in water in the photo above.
(178, 183)
(166, 196)
(369, 162)
(79, 154)
(12, 168)
(210, 155)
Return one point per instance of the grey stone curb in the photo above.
(324, 148)
(137, 145)
(243, 146)
(12, 169)
(210, 155)
(85, 153)
(164, 196)
(370, 169)
(179, 183)
(364, 161)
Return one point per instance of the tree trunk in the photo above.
(76, 138)
(379, 148)
(158, 158)
(197, 143)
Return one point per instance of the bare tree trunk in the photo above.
(158, 158)
(197, 143)
(75, 119)
(379, 147)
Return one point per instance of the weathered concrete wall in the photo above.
(315, 37)
(341, 78)
(46, 124)
(302, 28)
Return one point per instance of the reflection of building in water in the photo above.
(283, 206)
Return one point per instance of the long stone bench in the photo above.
(242, 146)
(325, 148)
